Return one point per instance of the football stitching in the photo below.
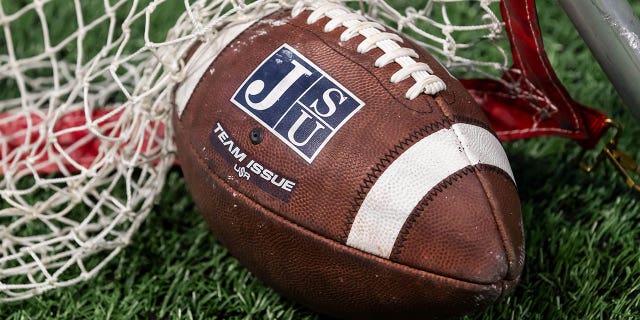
(391, 155)
(382, 163)
(503, 233)
(501, 230)
(431, 196)
(445, 109)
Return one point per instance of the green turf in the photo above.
(582, 232)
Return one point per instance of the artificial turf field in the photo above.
(582, 235)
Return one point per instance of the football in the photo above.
(346, 168)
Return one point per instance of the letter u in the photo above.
(296, 127)
(278, 184)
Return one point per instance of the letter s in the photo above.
(331, 105)
(256, 168)
(266, 174)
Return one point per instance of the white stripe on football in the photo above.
(412, 175)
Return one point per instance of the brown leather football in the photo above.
(346, 168)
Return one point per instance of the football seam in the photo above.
(382, 163)
(446, 110)
(341, 246)
(503, 233)
(431, 196)
(389, 157)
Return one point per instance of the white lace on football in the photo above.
(376, 37)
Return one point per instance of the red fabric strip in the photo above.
(537, 104)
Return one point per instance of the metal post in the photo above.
(612, 32)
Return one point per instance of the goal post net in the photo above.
(85, 136)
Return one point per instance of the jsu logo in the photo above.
(296, 101)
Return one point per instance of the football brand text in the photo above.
(251, 170)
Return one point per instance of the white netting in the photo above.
(85, 140)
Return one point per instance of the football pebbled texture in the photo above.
(327, 155)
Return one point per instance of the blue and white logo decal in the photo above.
(296, 101)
